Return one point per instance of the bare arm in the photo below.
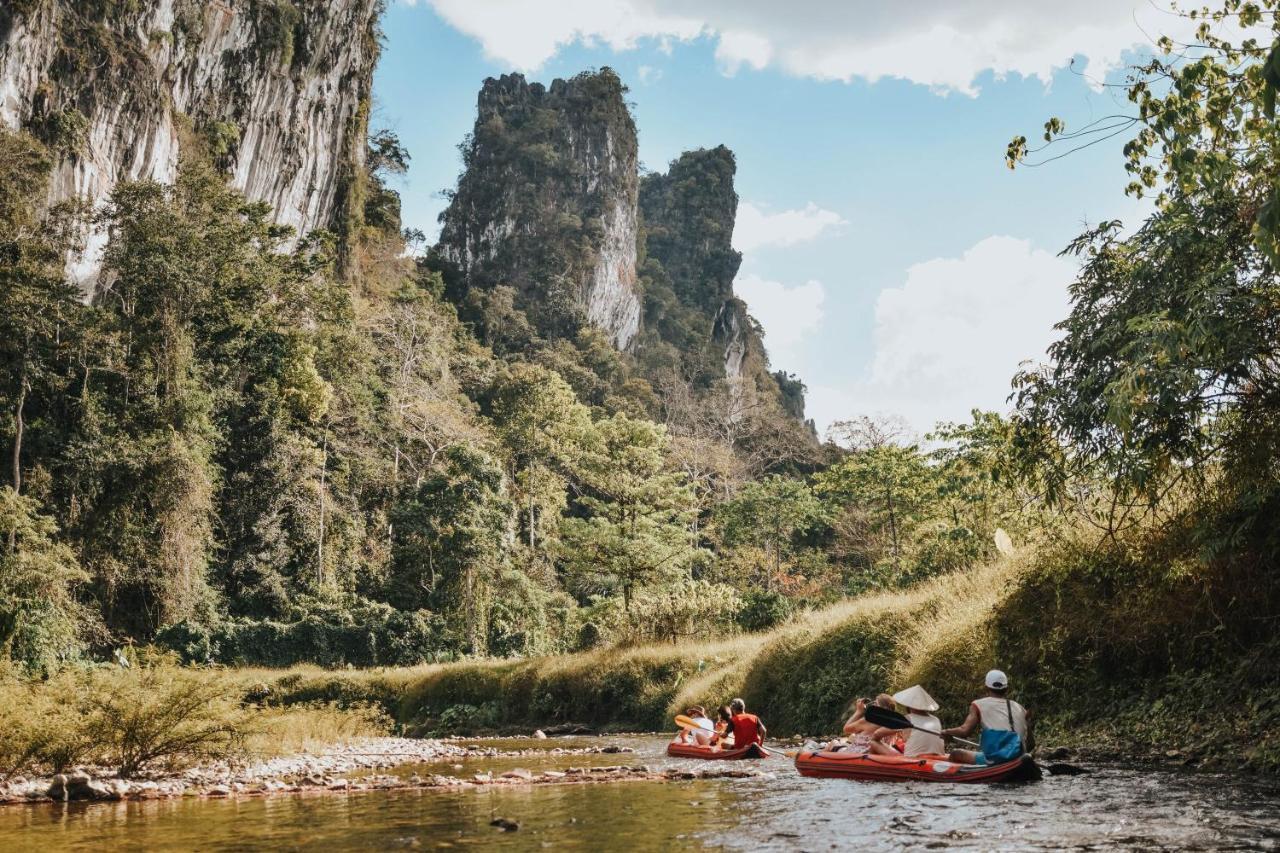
(967, 727)
(851, 725)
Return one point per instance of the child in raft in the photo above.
(920, 707)
(703, 730)
(724, 723)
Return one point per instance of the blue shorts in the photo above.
(980, 759)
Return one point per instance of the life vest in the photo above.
(746, 729)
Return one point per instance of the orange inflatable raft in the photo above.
(924, 768)
(689, 750)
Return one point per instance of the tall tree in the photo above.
(635, 529)
(768, 514)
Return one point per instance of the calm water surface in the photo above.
(1113, 808)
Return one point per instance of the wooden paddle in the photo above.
(685, 722)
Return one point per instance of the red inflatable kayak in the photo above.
(924, 768)
(688, 750)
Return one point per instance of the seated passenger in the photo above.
(920, 707)
(745, 728)
(860, 733)
(1006, 726)
(724, 723)
(701, 732)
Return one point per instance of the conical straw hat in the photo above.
(916, 698)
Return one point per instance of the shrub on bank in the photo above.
(157, 716)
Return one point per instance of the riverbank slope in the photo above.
(1120, 652)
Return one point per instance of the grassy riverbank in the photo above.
(1121, 651)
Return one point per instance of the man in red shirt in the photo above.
(746, 728)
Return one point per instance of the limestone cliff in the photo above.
(278, 88)
(547, 204)
(551, 224)
(687, 219)
(688, 216)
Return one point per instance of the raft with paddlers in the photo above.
(699, 738)
(923, 768)
(688, 750)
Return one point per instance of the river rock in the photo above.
(70, 786)
(218, 791)
(504, 824)
(518, 773)
(540, 735)
(108, 789)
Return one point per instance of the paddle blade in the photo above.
(685, 722)
(885, 718)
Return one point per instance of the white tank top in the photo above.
(994, 712)
(923, 743)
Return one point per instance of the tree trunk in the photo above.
(893, 526)
(19, 427)
(324, 465)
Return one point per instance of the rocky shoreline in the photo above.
(330, 771)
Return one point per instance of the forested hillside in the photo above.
(555, 430)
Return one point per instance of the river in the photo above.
(1115, 807)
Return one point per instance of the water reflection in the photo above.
(1113, 808)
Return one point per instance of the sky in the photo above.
(896, 264)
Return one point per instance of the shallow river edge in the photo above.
(351, 767)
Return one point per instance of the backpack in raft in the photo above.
(1001, 745)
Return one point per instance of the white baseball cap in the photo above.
(997, 680)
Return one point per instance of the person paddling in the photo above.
(702, 730)
(745, 728)
(920, 707)
(1006, 726)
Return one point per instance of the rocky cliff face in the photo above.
(278, 89)
(550, 217)
(688, 216)
(547, 204)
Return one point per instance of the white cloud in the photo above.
(525, 35)
(952, 336)
(756, 227)
(788, 314)
(944, 44)
(648, 74)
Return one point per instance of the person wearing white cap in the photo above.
(920, 707)
(1005, 726)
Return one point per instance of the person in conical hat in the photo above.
(920, 707)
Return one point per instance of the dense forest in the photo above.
(250, 448)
